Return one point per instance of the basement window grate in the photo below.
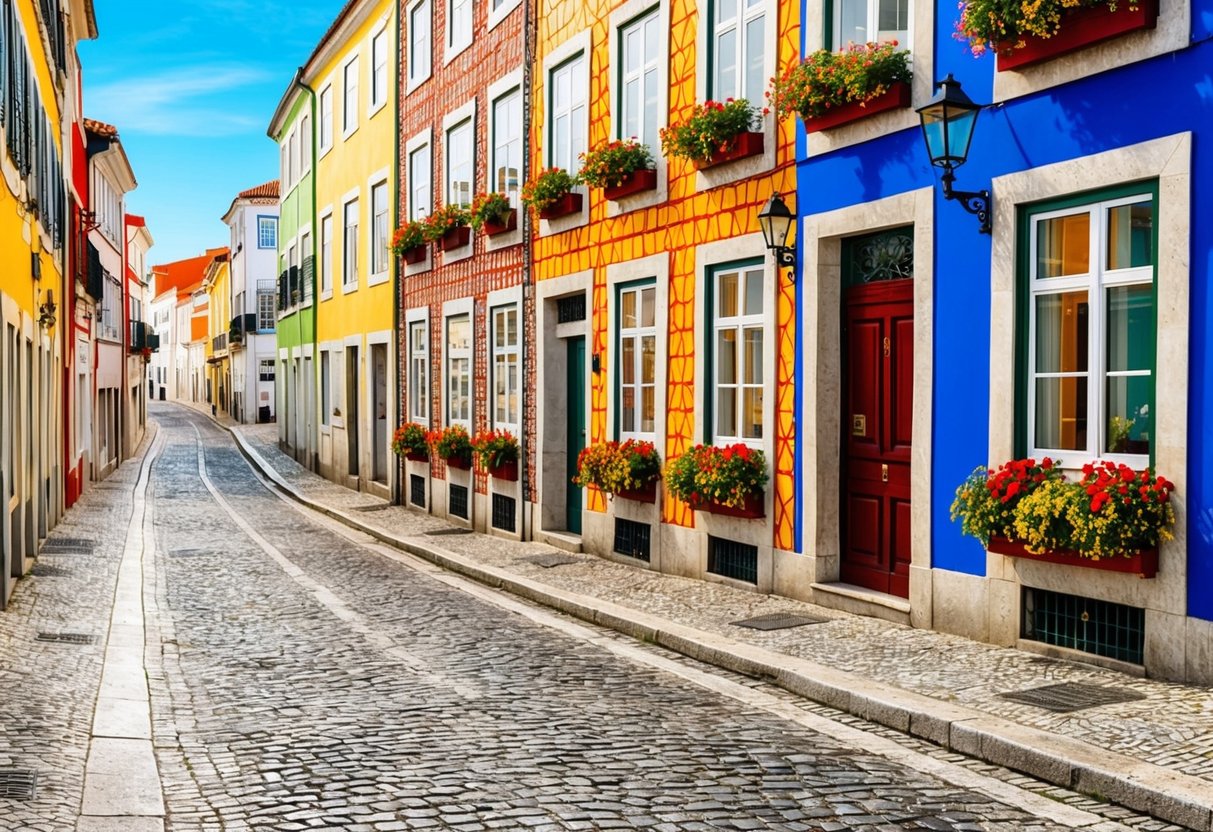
(69, 542)
(66, 638)
(18, 783)
(459, 501)
(778, 621)
(47, 570)
(570, 309)
(417, 490)
(1115, 631)
(547, 561)
(503, 512)
(1072, 696)
(632, 539)
(731, 559)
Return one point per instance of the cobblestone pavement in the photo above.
(305, 680)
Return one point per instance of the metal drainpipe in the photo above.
(527, 293)
(398, 297)
(313, 463)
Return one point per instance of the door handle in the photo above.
(886, 346)
(884, 473)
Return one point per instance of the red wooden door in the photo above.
(878, 370)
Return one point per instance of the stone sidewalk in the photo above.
(1153, 754)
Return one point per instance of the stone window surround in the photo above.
(381, 27)
(743, 168)
(425, 137)
(455, 309)
(419, 314)
(353, 195)
(922, 50)
(654, 266)
(411, 82)
(325, 267)
(352, 59)
(379, 177)
(453, 48)
(620, 17)
(821, 393)
(578, 44)
(382, 337)
(500, 11)
(323, 147)
(453, 119)
(1164, 598)
(497, 89)
(511, 296)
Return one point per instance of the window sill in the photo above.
(411, 269)
(373, 109)
(349, 288)
(345, 134)
(454, 50)
(495, 16)
(326, 295)
(413, 85)
(378, 279)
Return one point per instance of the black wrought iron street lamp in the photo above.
(776, 222)
(947, 126)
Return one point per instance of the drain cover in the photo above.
(778, 621)
(67, 638)
(47, 570)
(440, 532)
(1072, 696)
(548, 561)
(18, 783)
(70, 542)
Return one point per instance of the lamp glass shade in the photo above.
(776, 221)
(947, 124)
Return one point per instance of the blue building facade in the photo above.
(1079, 328)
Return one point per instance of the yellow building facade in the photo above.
(347, 141)
(33, 234)
(651, 272)
(217, 285)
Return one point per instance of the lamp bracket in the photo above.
(975, 202)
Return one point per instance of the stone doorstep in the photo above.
(1145, 787)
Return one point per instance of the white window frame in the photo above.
(380, 45)
(500, 356)
(326, 387)
(324, 259)
(650, 63)
(418, 405)
(638, 334)
(349, 97)
(416, 71)
(305, 243)
(326, 118)
(349, 249)
(746, 14)
(284, 163)
(452, 354)
(459, 155)
(511, 97)
(576, 66)
(305, 145)
(379, 181)
(871, 28)
(456, 42)
(740, 324)
(1095, 283)
(499, 10)
(421, 152)
(274, 221)
(293, 169)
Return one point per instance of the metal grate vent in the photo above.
(459, 501)
(1102, 628)
(731, 559)
(18, 783)
(1072, 696)
(47, 570)
(570, 309)
(69, 542)
(442, 532)
(66, 638)
(503, 512)
(417, 490)
(778, 621)
(548, 561)
(632, 538)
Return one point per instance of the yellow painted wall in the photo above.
(686, 219)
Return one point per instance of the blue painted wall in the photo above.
(1135, 103)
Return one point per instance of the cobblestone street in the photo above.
(302, 676)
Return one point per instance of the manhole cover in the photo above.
(1072, 696)
(440, 532)
(46, 570)
(373, 507)
(18, 783)
(778, 621)
(548, 561)
(67, 638)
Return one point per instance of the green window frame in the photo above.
(635, 328)
(741, 322)
(1109, 362)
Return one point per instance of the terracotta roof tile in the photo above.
(268, 190)
(105, 131)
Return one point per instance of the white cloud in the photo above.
(198, 99)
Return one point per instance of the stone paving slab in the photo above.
(1155, 754)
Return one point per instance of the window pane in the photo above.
(648, 359)
(755, 79)
(629, 310)
(631, 49)
(1061, 333)
(1130, 328)
(1063, 246)
(631, 116)
(728, 295)
(1129, 425)
(1131, 235)
(753, 293)
(649, 136)
(458, 333)
(751, 413)
(648, 409)
(726, 64)
(1061, 413)
(726, 10)
(648, 307)
(628, 409)
(893, 15)
(753, 356)
(627, 360)
(852, 22)
(726, 411)
(726, 356)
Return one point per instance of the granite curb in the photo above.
(1064, 761)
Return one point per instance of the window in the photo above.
(568, 140)
(307, 270)
(292, 269)
(265, 308)
(267, 232)
(305, 144)
(326, 118)
(379, 229)
(507, 145)
(459, 164)
(459, 370)
(1091, 330)
(860, 21)
(326, 387)
(349, 105)
(349, 246)
(737, 353)
(326, 255)
(459, 24)
(265, 369)
(419, 42)
(738, 41)
(379, 70)
(640, 48)
(284, 164)
(419, 363)
(419, 183)
(638, 362)
(505, 367)
(293, 170)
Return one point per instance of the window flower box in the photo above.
(498, 453)
(454, 446)
(507, 471)
(455, 238)
(508, 224)
(1143, 562)
(646, 493)
(635, 182)
(562, 206)
(463, 463)
(747, 144)
(628, 469)
(752, 509)
(897, 97)
(417, 456)
(1080, 27)
(414, 255)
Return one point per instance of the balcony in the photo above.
(139, 333)
(240, 326)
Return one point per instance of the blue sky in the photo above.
(191, 87)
